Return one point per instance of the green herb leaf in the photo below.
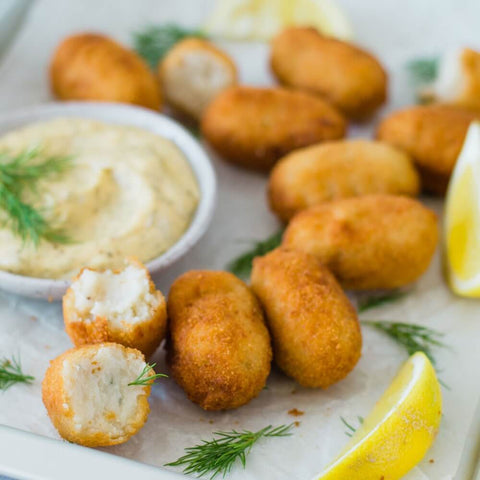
(351, 429)
(145, 378)
(218, 456)
(11, 373)
(413, 338)
(19, 174)
(373, 301)
(423, 70)
(242, 265)
(153, 42)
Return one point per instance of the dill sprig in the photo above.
(154, 41)
(11, 373)
(414, 338)
(218, 456)
(21, 173)
(145, 378)
(373, 301)
(350, 428)
(423, 70)
(242, 265)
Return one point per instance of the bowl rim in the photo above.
(135, 116)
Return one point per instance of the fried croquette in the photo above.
(193, 73)
(333, 170)
(458, 80)
(315, 331)
(87, 396)
(90, 66)
(368, 242)
(348, 77)
(254, 127)
(116, 306)
(218, 346)
(433, 135)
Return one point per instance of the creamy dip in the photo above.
(128, 192)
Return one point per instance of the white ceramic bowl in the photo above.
(123, 115)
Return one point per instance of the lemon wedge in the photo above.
(462, 219)
(398, 432)
(262, 19)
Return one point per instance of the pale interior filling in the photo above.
(119, 297)
(450, 82)
(98, 390)
(197, 80)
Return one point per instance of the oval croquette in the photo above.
(315, 330)
(254, 127)
(218, 347)
(333, 170)
(348, 77)
(368, 242)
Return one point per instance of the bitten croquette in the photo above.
(119, 306)
(88, 398)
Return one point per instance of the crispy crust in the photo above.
(254, 127)
(433, 135)
(55, 398)
(176, 56)
(368, 242)
(218, 347)
(333, 170)
(90, 66)
(315, 330)
(145, 336)
(347, 76)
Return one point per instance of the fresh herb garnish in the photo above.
(19, 174)
(146, 378)
(218, 456)
(242, 265)
(373, 301)
(414, 338)
(153, 42)
(351, 429)
(11, 373)
(423, 70)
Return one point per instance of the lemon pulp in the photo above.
(462, 219)
(399, 430)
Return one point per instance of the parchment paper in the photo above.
(397, 32)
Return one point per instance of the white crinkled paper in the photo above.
(33, 329)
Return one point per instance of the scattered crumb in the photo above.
(211, 422)
(50, 298)
(431, 460)
(295, 412)
(48, 347)
(293, 392)
(297, 423)
(236, 422)
(33, 318)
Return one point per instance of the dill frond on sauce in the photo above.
(21, 173)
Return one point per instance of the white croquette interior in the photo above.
(196, 80)
(98, 391)
(119, 297)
